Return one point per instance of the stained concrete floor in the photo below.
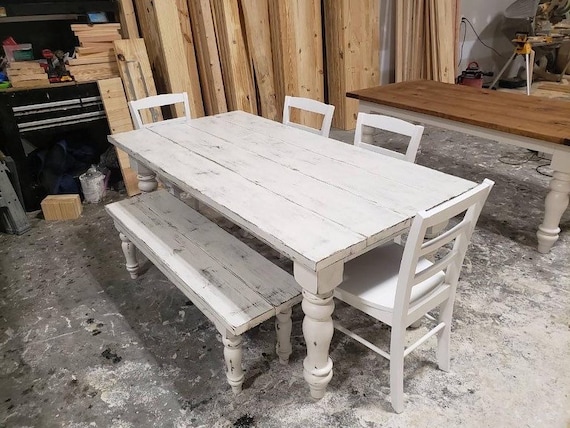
(83, 345)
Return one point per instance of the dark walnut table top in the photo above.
(534, 117)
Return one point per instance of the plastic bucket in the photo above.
(92, 185)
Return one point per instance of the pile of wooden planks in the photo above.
(250, 54)
(27, 74)
(95, 58)
(426, 36)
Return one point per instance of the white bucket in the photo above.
(92, 185)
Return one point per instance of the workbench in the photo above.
(534, 123)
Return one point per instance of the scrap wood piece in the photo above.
(208, 59)
(236, 68)
(557, 87)
(119, 119)
(352, 33)
(258, 32)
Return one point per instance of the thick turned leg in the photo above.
(318, 331)
(233, 354)
(130, 252)
(283, 325)
(147, 179)
(555, 205)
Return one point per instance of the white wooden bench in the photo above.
(234, 286)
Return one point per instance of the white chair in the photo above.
(310, 105)
(155, 101)
(391, 124)
(398, 285)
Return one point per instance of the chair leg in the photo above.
(283, 325)
(130, 252)
(397, 369)
(444, 335)
(233, 354)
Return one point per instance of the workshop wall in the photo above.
(488, 21)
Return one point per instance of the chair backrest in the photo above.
(452, 242)
(154, 101)
(391, 124)
(310, 105)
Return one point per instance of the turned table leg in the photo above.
(555, 204)
(147, 179)
(130, 252)
(318, 331)
(318, 327)
(556, 201)
(233, 353)
(283, 326)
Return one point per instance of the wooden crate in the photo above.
(61, 207)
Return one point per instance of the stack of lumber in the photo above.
(250, 54)
(27, 74)
(95, 57)
(426, 40)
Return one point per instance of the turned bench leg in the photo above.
(233, 354)
(283, 325)
(130, 252)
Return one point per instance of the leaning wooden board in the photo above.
(518, 114)
(119, 118)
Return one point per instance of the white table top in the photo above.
(315, 199)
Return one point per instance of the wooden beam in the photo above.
(256, 17)
(128, 19)
(149, 32)
(352, 34)
(178, 57)
(134, 68)
(206, 47)
(236, 68)
(297, 46)
(119, 119)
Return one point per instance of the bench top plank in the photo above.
(215, 270)
(533, 117)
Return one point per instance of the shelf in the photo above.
(32, 18)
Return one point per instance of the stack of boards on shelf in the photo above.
(95, 57)
(27, 74)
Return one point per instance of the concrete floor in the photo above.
(83, 345)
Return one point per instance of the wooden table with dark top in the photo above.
(534, 123)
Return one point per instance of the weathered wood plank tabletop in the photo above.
(317, 200)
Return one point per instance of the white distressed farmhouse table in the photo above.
(533, 123)
(318, 201)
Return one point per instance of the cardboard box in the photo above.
(62, 207)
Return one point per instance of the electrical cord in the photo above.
(462, 42)
(539, 167)
(515, 160)
(479, 38)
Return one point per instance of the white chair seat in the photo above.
(372, 278)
